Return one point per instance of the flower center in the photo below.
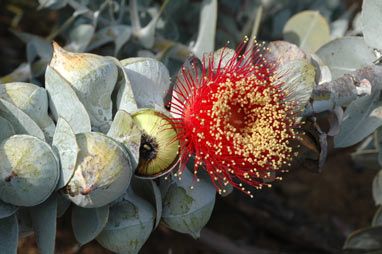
(149, 148)
(237, 117)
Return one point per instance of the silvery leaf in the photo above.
(66, 147)
(9, 234)
(103, 171)
(27, 177)
(87, 223)
(63, 101)
(149, 80)
(124, 130)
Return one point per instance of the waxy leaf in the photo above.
(308, 29)
(80, 37)
(186, 207)
(52, 4)
(66, 147)
(361, 118)
(377, 219)
(365, 239)
(102, 172)
(341, 57)
(43, 48)
(323, 73)
(7, 210)
(87, 223)
(124, 130)
(130, 223)
(44, 217)
(119, 34)
(63, 101)
(205, 42)
(32, 100)
(21, 73)
(9, 234)
(149, 80)
(25, 222)
(6, 129)
(20, 121)
(150, 191)
(93, 78)
(62, 204)
(372, 23)
(125, 97)
(27, 177)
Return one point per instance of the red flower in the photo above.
(234, 118)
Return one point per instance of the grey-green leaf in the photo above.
(124, 130)
(20, 121)
(93, 79)
(365, 239)
(120, 34)
(372, 23)
(80, 37)
(308, 29)
(7, 210)
(43, 48)
(150, 191)
(66, 147)
(24, 221)
(341, 57)
(205, 42)
(131, 221)
(149, 80)
(186, 207)
(6, 129)
(323, 73)
(125, 97)
(377, 219)
(103, 171)
(377, 188)
(361, 118)
(87, 223)
(52, 4)
(44, 217)
(62, 204)
(9, 234)
(21, 73)
(27, 177)
(31, 99)
(64, 101)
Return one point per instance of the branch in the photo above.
(344, 89)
